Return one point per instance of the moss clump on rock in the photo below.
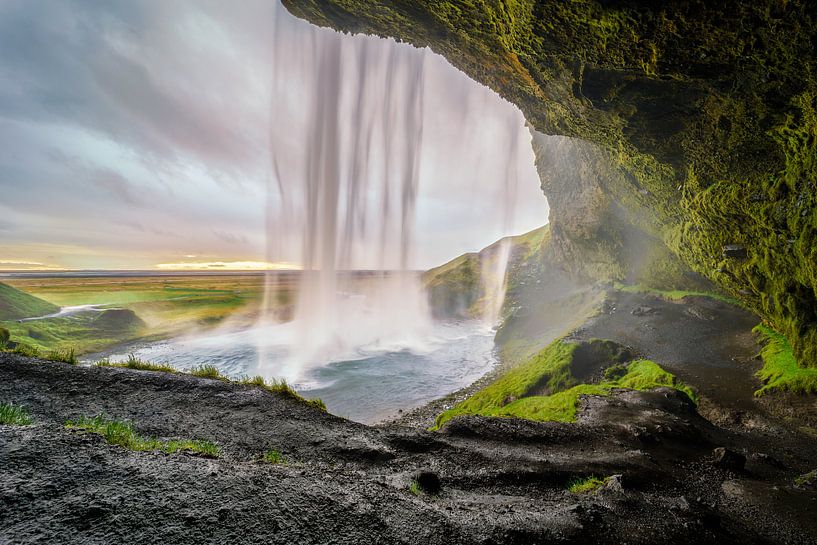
(549, 386)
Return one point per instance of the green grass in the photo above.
(135, 363)
(63, 355)
(414, 488)
(806, 478)
(14, 415)
(280, 386)
(273, 456)
(781, 371)
(66, 355)
(516, 393)
(585, 485)
(207, 371)
(121, 433)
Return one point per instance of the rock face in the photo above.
(705, 115)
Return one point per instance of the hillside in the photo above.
(16, 304)
(458, 288)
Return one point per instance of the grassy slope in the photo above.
(16, 304)
(550, 370)
(457, 286)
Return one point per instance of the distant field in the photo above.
(168, 305)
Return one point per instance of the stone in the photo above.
(427, 480)
(614, 483)
(735, 251)
(643, 311)
(728, 459)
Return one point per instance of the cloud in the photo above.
(136, 130)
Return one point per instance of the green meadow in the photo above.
(130, 308)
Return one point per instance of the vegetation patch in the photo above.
(414, 488)
(273, 456)
(207, 371)
(135, 363)
(121, 433)
(781, 371)
(545, 388)
(280, 386)
(585, 485)
(16, 304)
(14, 415)
(677, 295)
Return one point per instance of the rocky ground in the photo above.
(502, 480)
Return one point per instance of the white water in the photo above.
(346, 175)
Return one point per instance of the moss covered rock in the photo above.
(706, 111)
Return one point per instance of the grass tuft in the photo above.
(281, 386)
(135, 363)
(67, 355)
(26, 350)
(121, 433)
(207, 371)
(414, 488)
(14, 415)
(585, 485)
(273, 456)
(781, 371)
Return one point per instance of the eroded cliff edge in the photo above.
(704, 115)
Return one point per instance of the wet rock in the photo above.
(728, 459)
(644, 311)
(735, 251)
(427, 481)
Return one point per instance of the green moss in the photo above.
(14, 415)
(585, 485)
(545, 388)
(122, 433)
(780, 372)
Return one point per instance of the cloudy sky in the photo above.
(137, 134)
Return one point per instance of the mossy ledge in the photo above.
(705, 112)
(549, 386)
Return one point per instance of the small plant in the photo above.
(414, 488)
(272, 456)
(207, 371)
(585, 485)
(121, 433)
(62, 355)
(14, 415)
(5, 337)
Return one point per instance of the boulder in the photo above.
(427, 480)
(728, 459)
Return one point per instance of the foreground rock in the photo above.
(505, 480)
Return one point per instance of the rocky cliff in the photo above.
(703, 114)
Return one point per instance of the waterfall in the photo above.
(353, 198)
